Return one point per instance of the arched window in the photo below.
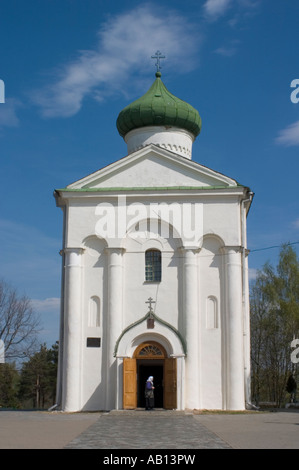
(212, 312)
(151, 350)
(94, 312)
(153, 265)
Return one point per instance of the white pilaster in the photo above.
(119, 382)
(191, 327)
(115, 319)
(234, 330)
(180, 382)
(73, 330)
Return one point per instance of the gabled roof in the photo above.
(152, 168)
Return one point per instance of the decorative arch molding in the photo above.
(143, 236)
(93, 244)
(208, 237)
(126, 343)
(153, 244)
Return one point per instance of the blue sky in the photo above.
(70, 66)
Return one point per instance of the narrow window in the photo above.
(212, 312)
(153, 265)
(94, 312)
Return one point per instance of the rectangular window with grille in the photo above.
(153, 265)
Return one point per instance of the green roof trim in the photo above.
(158, 107)
(149, 188)
(159, 320)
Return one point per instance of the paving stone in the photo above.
(147, 430)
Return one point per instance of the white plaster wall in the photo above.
(165, 294)
(171, 138)
(93, 359)
(221, 215)
(221, 218)
(152, 171)
(211, 329)
(80, 222)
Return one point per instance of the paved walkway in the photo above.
(148, 430)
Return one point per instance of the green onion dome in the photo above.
(158, 107)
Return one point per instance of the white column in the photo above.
(180, 382)
(119, 382)
(73, 330)
(191, 327)
(115, 320)
(234, 329)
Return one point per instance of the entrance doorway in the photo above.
(145, 368)
(150, 358)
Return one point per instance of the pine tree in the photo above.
(38, 378)
(9, 379)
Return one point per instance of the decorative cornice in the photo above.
(149, 188)
(231, 248)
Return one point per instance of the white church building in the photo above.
(155, 272)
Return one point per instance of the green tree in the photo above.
(38, 378)
(9, 380)
(274, 323)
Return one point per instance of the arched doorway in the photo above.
(149, 358)
(150, 361)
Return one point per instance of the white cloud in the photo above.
(8, 116)
(249, 4)
(228, 51)
(289, 136)
(52, 304)
(215, 8)
(295, 224)
(125, 45)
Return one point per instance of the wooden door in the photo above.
(170, 384)
(129, 384)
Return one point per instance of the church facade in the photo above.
(155, 272)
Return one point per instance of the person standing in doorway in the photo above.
(149, 393)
